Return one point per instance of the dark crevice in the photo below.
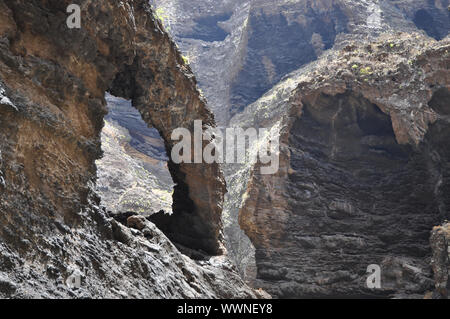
(440, 102)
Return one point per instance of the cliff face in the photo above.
(364, 171)
(240, 49)
(52, 101)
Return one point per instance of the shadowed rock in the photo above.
(364, 171)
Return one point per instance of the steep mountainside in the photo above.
(52, 101)
(240, 49)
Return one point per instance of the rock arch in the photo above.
(56, 78)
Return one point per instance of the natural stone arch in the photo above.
(199, 188)
(57, 77)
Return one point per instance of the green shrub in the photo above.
(366, 71)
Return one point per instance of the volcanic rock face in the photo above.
(440, 244)
(363, 171)
(240, 49)
(52, 87)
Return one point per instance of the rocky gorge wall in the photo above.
(239, 50)
(363, 171)
(261, 41)
(364, 161)
(52, 84)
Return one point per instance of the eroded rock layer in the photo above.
(52, 87)
(132, 174)
(364, 171)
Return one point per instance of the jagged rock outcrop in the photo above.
(364, 171)
(440, 245)
(52, 101)
(240, 49)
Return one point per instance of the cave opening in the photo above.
(195, 221)
(440, 102)
(133, 174)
